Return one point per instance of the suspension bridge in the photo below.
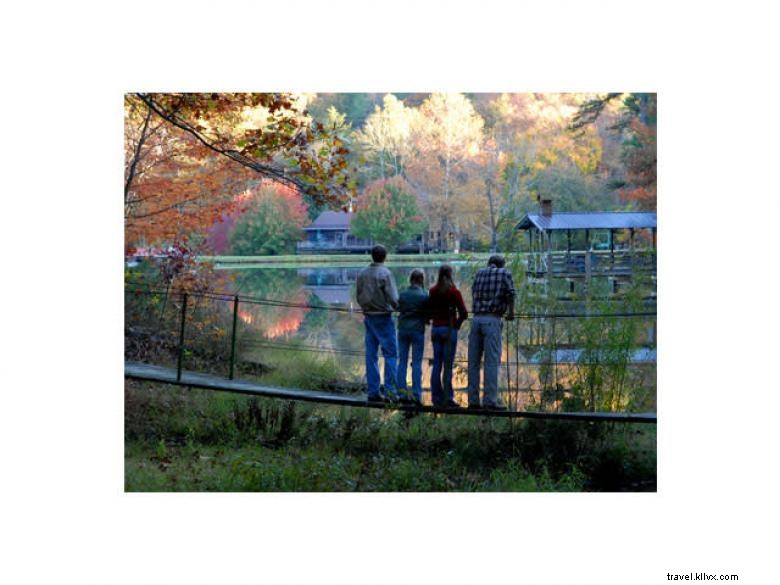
(180, 377)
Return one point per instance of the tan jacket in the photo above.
(376, 290)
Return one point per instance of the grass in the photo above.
(318, 469)
(196, 440)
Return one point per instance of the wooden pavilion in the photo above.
(573, 246)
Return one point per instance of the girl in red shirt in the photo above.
(447, 311)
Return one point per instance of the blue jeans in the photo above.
(443, 358)
(484, 339)
(380, 330)
(415, 339)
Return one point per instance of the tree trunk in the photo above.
(493, 236)
(137, 155)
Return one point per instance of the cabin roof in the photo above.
(591, 220)
(331, 220)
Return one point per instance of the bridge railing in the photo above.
(205, 328)
(586, 264)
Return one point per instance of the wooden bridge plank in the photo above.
(152, 373)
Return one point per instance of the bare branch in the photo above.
(164, 209)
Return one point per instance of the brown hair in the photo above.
(444, 281)
(417, 277)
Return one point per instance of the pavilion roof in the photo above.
(590, 220)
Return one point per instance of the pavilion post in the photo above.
(587, 255)
(549, 259)
(612, 258)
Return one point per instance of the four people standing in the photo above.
(493, 296)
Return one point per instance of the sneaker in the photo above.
(376, 399)
(475, 407)
(451, 404)
(495, 407)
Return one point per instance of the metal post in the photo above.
(233, 337)
(508, 383)
(516, 398)
(554, 360)
(181, 336)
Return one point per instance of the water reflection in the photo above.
(331, 286)
(339, 333)
(271, 322)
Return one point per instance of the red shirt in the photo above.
(442, 305)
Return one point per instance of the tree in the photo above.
(444, 135)
(355, 106)
(387, 212)
(488, 163)
(528, 152)
(271, 222)
(269, 133)
(385, 137)
(633, 121)
(174, 186)
(187, 156)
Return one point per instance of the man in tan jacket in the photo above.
(377, 296)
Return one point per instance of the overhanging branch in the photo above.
(265, 170)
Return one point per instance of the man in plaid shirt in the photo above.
(493, 294)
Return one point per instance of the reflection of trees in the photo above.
(272, 284)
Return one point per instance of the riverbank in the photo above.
(294, 260)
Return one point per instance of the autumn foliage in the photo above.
(174, 186)
(471, 164)
(187, 156)
(639, 156)
(270, 221)
(387, 212)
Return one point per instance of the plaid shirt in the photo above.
(493, 290)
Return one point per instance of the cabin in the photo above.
(329, 233)
(570, 245)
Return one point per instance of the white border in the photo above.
(67, 518)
